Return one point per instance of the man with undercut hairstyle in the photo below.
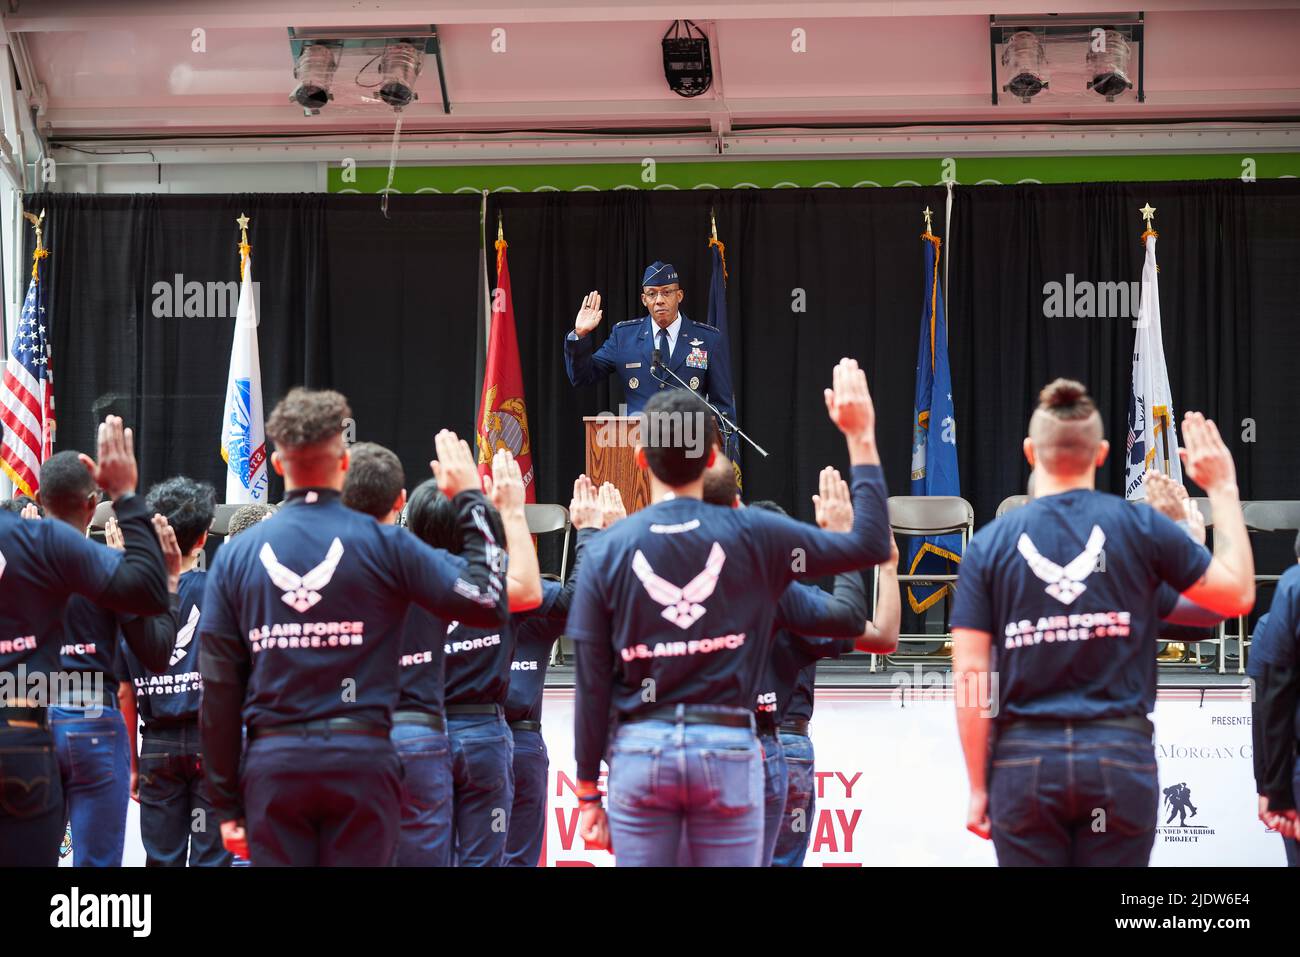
(672, 624)
(177, 825)
(1058, 603)
(300, 640)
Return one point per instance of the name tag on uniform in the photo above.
(632, 365)
(697, 359)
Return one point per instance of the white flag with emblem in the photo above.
(1152, 440)
(243, 437)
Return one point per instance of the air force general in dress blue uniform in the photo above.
(696, 352)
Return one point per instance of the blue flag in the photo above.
(934, 437)
(718, 319)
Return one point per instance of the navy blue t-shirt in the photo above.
(1067, 587)
(90, 640)
(681, 597)
(535, 634)
(42, 563)
(175, 695)
(477, 662)
(312, 601)
(422, 662)
(801, 697)
(810, 625)
(1277, 633)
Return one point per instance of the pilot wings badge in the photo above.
(681, 605)
(1065, 584)
(301, 592)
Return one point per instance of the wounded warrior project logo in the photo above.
(1176, 802)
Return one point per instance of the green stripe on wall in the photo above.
(767, 174)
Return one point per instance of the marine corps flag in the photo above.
(243, 431)
(1152, 442)
(502, 415)
(934, 435)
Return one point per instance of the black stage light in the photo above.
(686, 60)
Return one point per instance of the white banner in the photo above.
(891, 784)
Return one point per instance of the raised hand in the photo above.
(848, 402)
(30, 511)
(113, 534)
(589, 314)
(507, 486)
(611, 504)
(1207, 460)
(115, 472)
(833, 505)
(454, 469)
(1162, 495)
(584, 510)
(171, 550)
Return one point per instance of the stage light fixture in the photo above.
(1027, 61)
(1109, 66)
(687, 67)
(314, 71)
(400, 67)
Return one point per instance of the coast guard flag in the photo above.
(243, 436)
(1150, 403)
(934, 436)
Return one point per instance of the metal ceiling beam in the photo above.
(969, 141)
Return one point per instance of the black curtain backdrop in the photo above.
(384, 309)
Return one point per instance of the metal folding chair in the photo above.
(919, 516)
(1263, 518)
(545, 520)
(1011, 503)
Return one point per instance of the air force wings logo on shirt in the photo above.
(1065, 584)
(301, 591)
(185, 636)
(681, 605)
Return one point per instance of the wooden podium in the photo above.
(610, 443)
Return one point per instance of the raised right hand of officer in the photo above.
(115, 472)
(454, 469)
(588, 315)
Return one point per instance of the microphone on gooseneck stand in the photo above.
(728, 427)
(654, 363)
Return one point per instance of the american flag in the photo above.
(27, 393)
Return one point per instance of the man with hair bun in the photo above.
(1054, 630)
(300, 638)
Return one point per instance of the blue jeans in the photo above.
(483, 779)
(31, 798)
(528, 819)
(95, 764)
(800, 801)
(312, 801)
(176, 822)
(776, 779)
(675, 785)
(1081, 795)
(426, 796)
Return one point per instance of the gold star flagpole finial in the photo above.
(713, 224)
(244, 248)
(1148, 213)
(927, 213)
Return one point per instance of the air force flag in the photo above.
(243, 437)
(934, 436)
